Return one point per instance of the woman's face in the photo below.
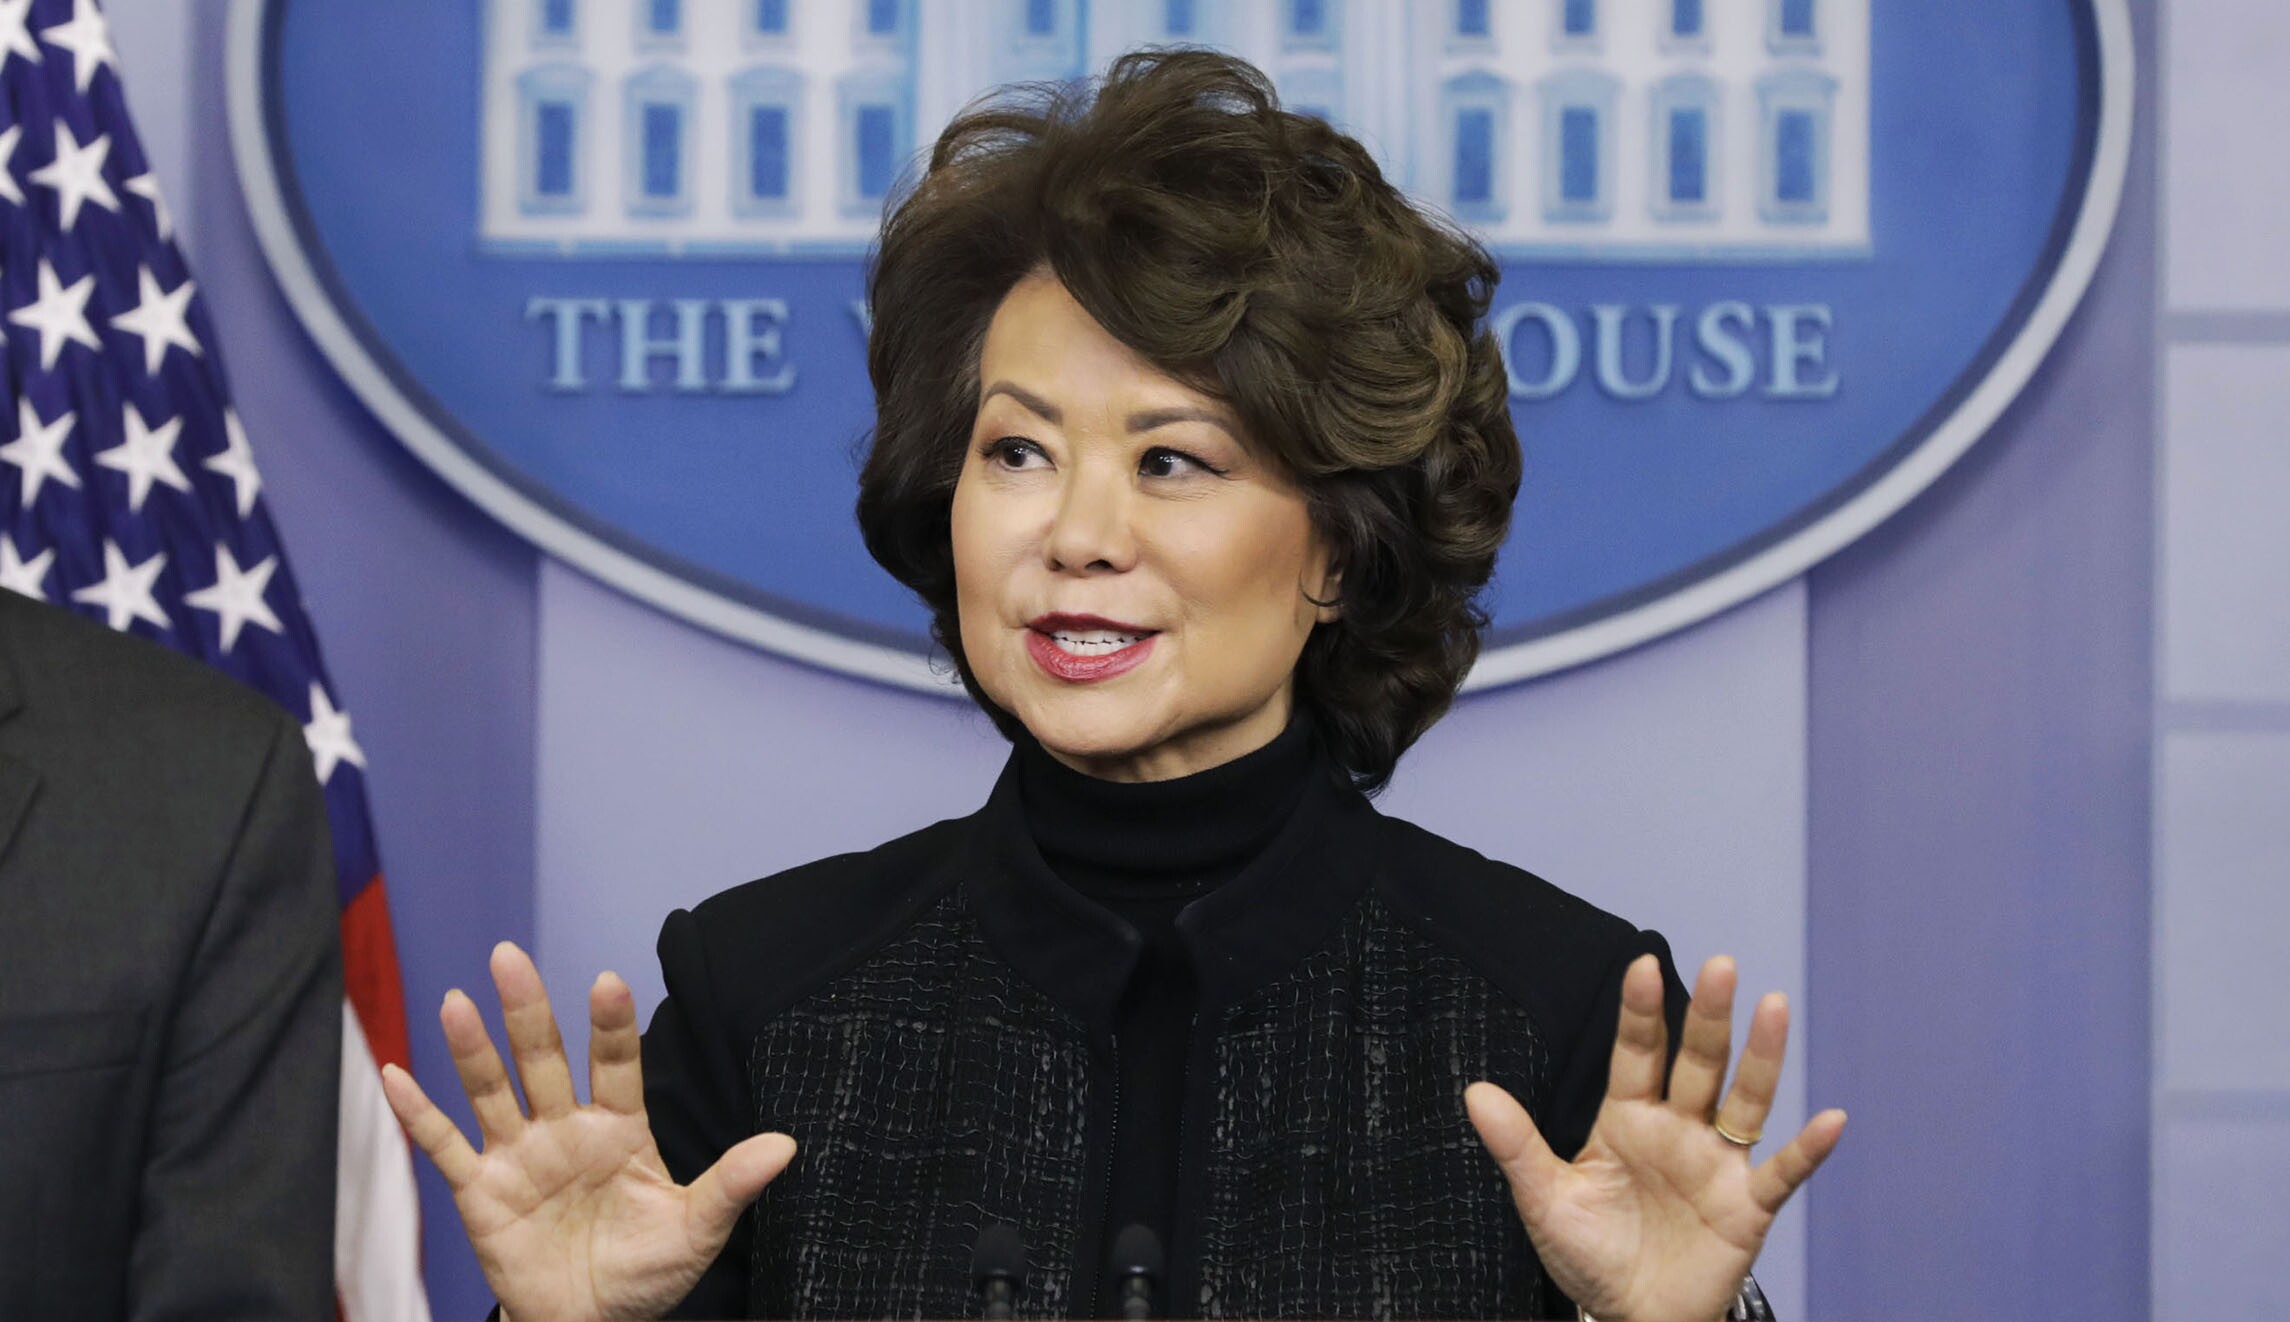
(1134, 584)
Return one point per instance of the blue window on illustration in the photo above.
(1307, 18)
(664, 16)
(1689, 155)
(1578, 154)
(1797, 18)
(1685, 18)
(663, 149)
(557, 17)
(551, 128)
(1793, 149)
(771, 16)
(1581, 18)
(553, 149)
(1177, 17)
(767, 153)
(1473, 19)
(1041, 18)
(1474, 156)
(878, 155)
(882, 17)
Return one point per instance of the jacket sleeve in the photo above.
(1580, 1087)
(696, 1097)
(238, 1178)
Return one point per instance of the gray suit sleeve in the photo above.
(238, 1178)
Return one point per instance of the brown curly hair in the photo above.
(1261, 257)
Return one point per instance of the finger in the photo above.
(533, 1038)
(430, 1129)
(1706, 1043)
(1517, 1146)
(483, 1076)
(715, 1200)
(1640, 1037)
(1772, 1183)
(1759, 1074)
(615, 1068)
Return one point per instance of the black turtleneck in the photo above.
(1145, 851)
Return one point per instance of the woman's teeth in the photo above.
(1096, 642)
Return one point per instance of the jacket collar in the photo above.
(1286, 904)
(1282, 906)
(1073, 950)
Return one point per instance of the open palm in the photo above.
(1659, 1216)
(571, 1211)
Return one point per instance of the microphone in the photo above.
(998, 1270)
(1136, 1270)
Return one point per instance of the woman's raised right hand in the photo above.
(571, 1211)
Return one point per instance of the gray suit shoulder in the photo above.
(110, 690)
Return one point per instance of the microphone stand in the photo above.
(1137, 1267)
(998, 1271)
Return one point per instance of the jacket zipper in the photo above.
(1182, 1281)
(1092, 1245)
(1181, 1270)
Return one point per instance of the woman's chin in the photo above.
(1088, 732)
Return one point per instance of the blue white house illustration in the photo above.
(1585, 129)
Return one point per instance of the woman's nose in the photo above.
(1091, 531)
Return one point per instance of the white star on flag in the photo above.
(77, 174)
(237, 463)
(159, 318)
(8, 186)
(236, 596)
(87, 39)
(14, 39)
(59, 314)
(146, 456)
(125, 592)
(24, 576)
(38, 450)
(146, 186)
(328, 735)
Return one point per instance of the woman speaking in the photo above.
(1188, 434)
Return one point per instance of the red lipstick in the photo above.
(1078, 662)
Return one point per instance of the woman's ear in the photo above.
(1327, 596)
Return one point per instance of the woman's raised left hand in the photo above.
(1660, 1215)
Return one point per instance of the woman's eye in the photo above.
(1014, 452)
(1163, 462)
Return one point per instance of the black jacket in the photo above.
(932, 1019)
(170, 988)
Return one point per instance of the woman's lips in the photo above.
(1084, 649)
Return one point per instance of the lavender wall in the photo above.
(2222, 712)
(1979, 847)
(1932, 755)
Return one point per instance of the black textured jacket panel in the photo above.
(932, 1022)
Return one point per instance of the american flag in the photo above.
(127, 492)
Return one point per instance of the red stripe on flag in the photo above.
(370, 975)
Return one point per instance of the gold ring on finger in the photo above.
(1743, 1141)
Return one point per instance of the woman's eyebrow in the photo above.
(1027, 399)
(1148, 419)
